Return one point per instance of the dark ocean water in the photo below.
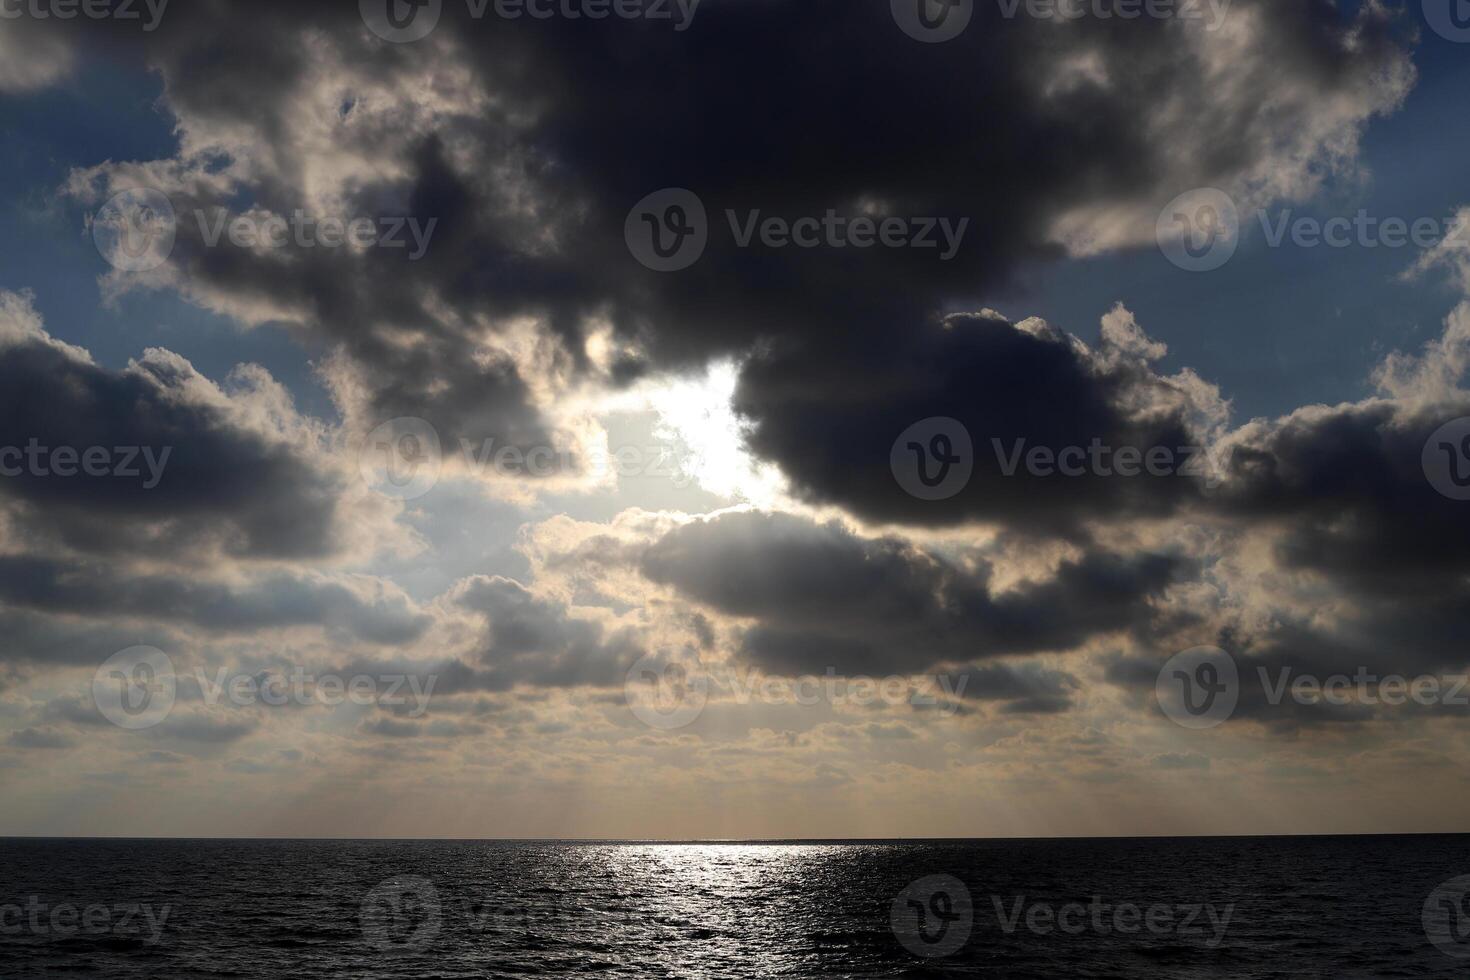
(1182, 908)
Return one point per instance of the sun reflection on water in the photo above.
(754, 904)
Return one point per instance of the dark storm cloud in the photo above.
(1024, 688)
(528, 143)
(219, 484)
(1034, 131)
(1346, 486)
(202, 728)
(32, 637)
(97, 589)
(396, 728)
(1342, 495)
(831, 426)
(80, 711)
(535, 642)
(1282, 656)
(1364, 640)
(40, 738)
(826, 598)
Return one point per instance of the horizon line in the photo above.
(735, 840)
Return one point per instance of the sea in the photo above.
(1187, 908)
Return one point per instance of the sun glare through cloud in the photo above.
(734, 487)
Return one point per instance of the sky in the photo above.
(734, 419)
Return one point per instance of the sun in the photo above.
(696, 413)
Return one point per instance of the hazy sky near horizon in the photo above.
(552, 413)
